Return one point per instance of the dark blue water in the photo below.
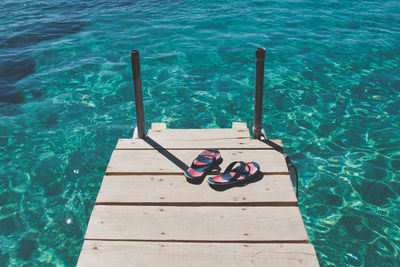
(332, 94)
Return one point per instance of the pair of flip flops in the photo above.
(210, 159)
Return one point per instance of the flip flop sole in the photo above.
(258, 174)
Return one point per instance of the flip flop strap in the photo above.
(239, 171)
(196, 166)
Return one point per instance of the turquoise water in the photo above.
(332, 94)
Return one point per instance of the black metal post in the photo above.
(137, 86)
(258, 98)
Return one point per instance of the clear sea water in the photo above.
(332, 94)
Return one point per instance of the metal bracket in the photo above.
(135, 134)
(263, 135)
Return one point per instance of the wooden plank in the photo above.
(198, 134)
(156, 254)
(239, 125)
(223, 144)
(163, 126)
(175, 190)
(176, 161)
(158, 126)
(226, 224)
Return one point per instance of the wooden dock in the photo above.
(147, 214)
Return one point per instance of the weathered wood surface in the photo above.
(239, 125)
(223, 144)
(147, 214)
(176, 161)
(176, 254)
(163, 126)
(198, 134)
(158, 126)
(227, 224)
(175, 190)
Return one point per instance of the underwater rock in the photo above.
(42, 32)
(13, 69)
(16, 66)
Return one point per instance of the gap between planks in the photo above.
(201, 204)
(204, 241)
